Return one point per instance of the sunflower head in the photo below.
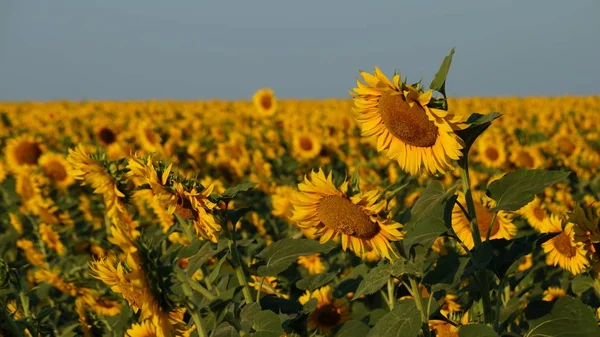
(23, 152)
(265, 102)
(327, 208)
(563, 250)
(55, 167)
(329, 313)
(409, 124)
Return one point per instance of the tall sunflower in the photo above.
(265, 102)
(319, 204)
(306, 146)
(329, 312)
(535, 213)
(562, 250)
(420, 137)
(502, 228)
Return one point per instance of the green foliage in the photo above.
(518, 188)
(439, 81)
(565, 317)
(280, 255)
(477, 330)
(402, 321)
(429, 216)
(478, 123)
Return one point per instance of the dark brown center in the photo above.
(562, 242)
(328, 316)
(491, 153)
(340, 214)
(107, 136)
(410, 124)
(266, 102)
(306, 143)
(524, 159)
(28, 153)
(55, 170)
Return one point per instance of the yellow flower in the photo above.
(321, 205)
(267, 285)
(491, 152)
(23, 152)
(329, 312)
(144, 329)
(31, 253)
(503, 227)
(306, 146)
(53, 278)
(562, 250)
(282, 205)
(55, 167)
(313, 263)
(419, 137)
(51, 239)
(553, 293)
(526, 263)
(265, 102)
(535, 213)
(83, 167)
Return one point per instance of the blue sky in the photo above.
(73, 49)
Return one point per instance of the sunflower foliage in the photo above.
(412, 215)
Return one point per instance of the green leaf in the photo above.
(354, 186)
(581, 284)
(403, 321)
(567, 317)
(373, 281)
(225, 330)
(266, 324)
(313, 282)
(232, 192)
(478, 123)
(280, 255)
(234, 215)
(215, 272)
(427, 217)
(439, 81)
(247, 315)
(518, 188)
(477, 330)
(447, 272)
(353, 328)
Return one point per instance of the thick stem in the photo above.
(416, 292)
(391, 293)
(499, 302)
(239, 271)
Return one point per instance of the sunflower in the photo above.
(526, 262)
(320, 204)
(503, 227)
(553, 293)
(491, 152)
(306, 146)
(535, 213)
(528, 157)
(562, 250)
(312, 263)
(265, 102)
(148, 138)
(23, 152)
(282, 206)
(51, 238)
(329, 312)
(55, 167)
(267, 285)
(105, 133)
(144, 329)
(419, 137)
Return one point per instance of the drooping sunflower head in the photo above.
(265, 102)
(321, 205)
(406, 125)
(55, 167)
(329, 312)
(23, 152)
(502, 228)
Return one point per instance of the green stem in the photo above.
(416, 292)
(262, 281)
(239, 271)
(391, 293)
(499, 302)
(481, 275)
(489, 232)
(198, 322)
(198, 287)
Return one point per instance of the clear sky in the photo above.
(202, 49)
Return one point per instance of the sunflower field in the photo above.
(398, 212)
